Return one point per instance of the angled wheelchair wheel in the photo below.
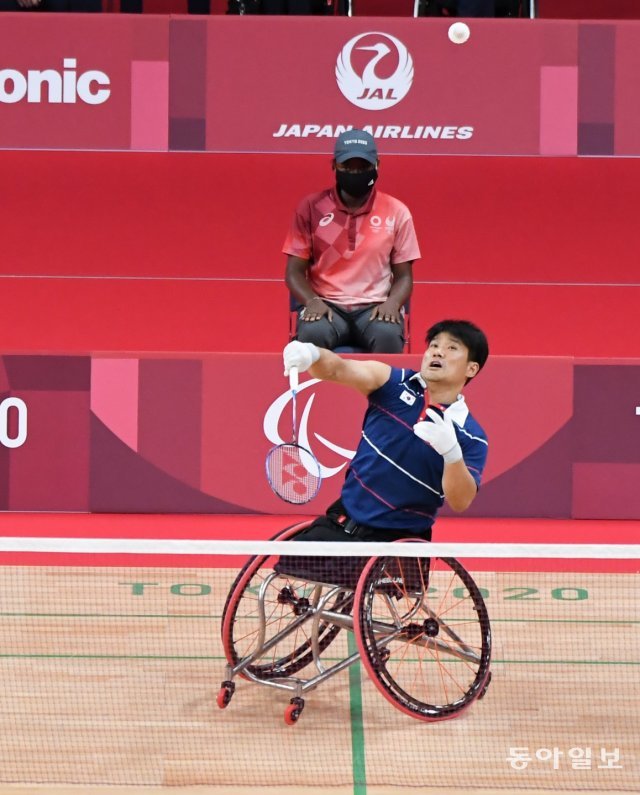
(423, 633)
(267, 617)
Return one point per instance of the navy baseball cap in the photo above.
(356, 143)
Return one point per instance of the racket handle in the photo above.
(293, 378)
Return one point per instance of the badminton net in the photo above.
(117, 658)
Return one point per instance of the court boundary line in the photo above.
(181, 547)
(274, 280)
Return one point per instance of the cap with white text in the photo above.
(356, 143)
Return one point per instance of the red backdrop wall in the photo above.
(181, 252)
(588, 9)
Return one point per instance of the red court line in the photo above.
(250, 527)
(158, 526)
(159, 561)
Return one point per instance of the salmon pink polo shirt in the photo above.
(350, 252)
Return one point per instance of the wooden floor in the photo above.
(110, 677)
(372, 790)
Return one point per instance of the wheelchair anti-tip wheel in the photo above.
(423, 633)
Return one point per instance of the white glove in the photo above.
(441, 435)
(300, 355)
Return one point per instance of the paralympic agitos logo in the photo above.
(271, 424)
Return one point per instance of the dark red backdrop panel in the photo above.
(140, 251)
(588, 9)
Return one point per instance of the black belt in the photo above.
(354, 529)
(337, 514)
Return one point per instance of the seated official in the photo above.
(350, 251)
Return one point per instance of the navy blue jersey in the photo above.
(395, 478)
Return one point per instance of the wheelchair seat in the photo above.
(343, 572)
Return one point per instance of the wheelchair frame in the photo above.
(425, 616)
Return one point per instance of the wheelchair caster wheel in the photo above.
(483, 692)
(293, 711)
(224, 694)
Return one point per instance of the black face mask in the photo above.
(356, 183)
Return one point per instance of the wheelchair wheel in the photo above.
(423, 633)
(262, 609)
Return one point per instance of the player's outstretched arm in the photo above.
(321, 363)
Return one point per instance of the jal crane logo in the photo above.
(371, 90)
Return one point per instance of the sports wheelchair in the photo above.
(421, 629)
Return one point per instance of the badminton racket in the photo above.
(293, 472)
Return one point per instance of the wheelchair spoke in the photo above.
(426, 649)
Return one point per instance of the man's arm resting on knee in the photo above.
(402, 285)
(298, 284)
(400, 292)
(296, 279)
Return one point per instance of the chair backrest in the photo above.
(294, 308)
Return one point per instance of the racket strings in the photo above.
(293, 473)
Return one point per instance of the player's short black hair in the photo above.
(472, 337)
